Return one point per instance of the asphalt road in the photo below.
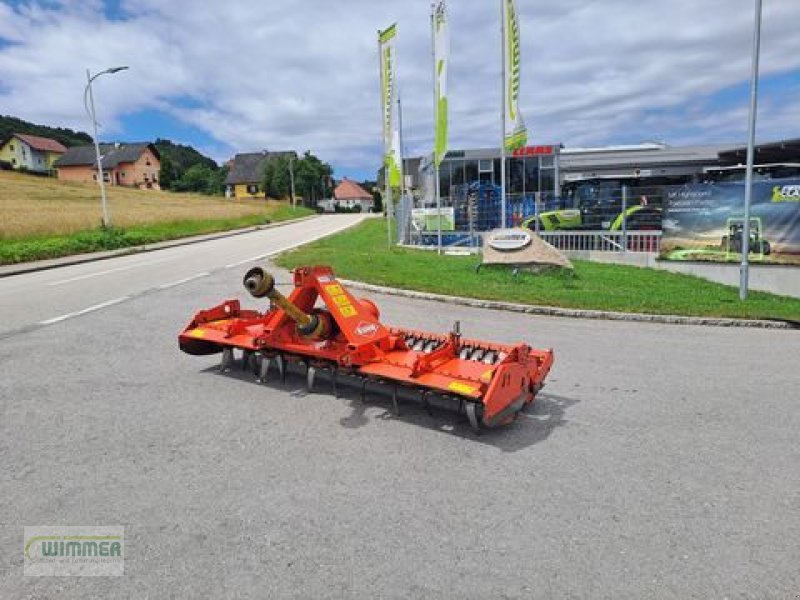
(659, 462)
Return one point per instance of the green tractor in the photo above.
(596, 204)
(732, 242)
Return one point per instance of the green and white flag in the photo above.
(391, 129)
(514, 133)
(441, 57)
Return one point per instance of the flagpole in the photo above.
(402, 166)
(503, 117)
(435, 158)
(387, 190)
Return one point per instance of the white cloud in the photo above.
(301, 75)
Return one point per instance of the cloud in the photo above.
(303, 75)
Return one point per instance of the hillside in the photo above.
(10, 125)
(35, 206)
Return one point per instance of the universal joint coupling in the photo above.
(261, 284)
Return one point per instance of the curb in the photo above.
(574, 313)
(77, 259)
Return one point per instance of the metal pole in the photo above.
(751, 137)
(291, 180)
(624, 244)
(387, 195)
(536, 199)
(437, 195)
(503, 118)
(402, 166)
(106, 219)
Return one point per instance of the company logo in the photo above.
(73, 551)
(786, 193)
(366, 329)
(509, 239)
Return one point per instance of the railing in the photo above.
(604, 241)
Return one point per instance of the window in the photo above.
(13, 161)
(122, 175)
(11, 147)
(252, 189)
(147, 162)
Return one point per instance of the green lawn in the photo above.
(361, 254)
(94, 240)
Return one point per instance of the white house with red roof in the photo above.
(348, 194)
(31, 152)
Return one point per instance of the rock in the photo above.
(522, 248)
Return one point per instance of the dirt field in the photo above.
(33, 206)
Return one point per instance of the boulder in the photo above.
(521, 248)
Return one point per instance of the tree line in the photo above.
(313, 178)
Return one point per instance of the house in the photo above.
(348, 194)
(131, 165)
(31, 152)
(247, 171)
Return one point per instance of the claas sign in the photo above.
(534, 151)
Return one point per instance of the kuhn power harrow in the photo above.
(325, 327)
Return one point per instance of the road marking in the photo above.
(166, 286)
(114, 270)
(78, 313)
(289, 247)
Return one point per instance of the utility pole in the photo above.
(88, 93)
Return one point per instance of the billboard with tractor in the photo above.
(706, 222)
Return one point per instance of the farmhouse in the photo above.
(247, 171)
(31, 152)
(348, 194)
(131, 165)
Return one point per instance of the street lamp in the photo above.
(744, 268)
(87, 93)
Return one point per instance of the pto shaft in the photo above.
(260, 284)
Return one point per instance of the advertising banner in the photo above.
(427, 219)
(391, 129)
(441, 50)
(705, 222)
(514, 130)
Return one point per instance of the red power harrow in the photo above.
(325, 327)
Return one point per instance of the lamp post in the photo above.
(87, 93)
(744, 268)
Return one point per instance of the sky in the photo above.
(242, 76)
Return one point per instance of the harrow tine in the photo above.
(394, 401)
(263, 369)
(473, 417)
(363, 390)
(311, 372)
(281, 362)
(227, 359)
(334, 377)
(425, 403)
(247, 357)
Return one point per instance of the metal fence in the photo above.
(603, 241)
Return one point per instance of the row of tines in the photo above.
(420, 343)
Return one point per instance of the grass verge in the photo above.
(94, 240)
(361, 254)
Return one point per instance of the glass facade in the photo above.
(470, 187)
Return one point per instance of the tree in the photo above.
(197, 178)
(275, 180)
(166, 174)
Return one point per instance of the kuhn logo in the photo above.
(366, 329)
(786, 193)
(509, 239)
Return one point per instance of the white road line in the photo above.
(289, 247)
(166, 286)
(98, 273)
(77, 313)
